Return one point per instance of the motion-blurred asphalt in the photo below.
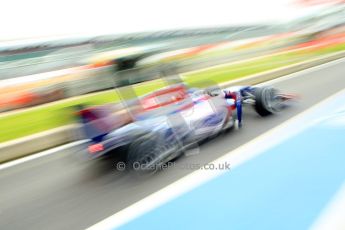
(61, 191)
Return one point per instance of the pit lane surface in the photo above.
(60, 191)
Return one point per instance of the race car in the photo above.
(160, 126)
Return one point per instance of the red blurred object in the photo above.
(164, 97)
(323, 41)
(95, 148)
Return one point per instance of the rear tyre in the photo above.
(147, 154)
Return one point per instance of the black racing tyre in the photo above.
(266, 101)
(147, 154)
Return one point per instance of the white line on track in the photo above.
(302, 72)
(39, 155)
(63, 147)
(236, 157)
(333, 216)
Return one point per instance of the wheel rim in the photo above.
(271, 100)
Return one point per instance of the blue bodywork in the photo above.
(191, 119)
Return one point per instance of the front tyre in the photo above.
(267, 101)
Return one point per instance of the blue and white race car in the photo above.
(162, 125)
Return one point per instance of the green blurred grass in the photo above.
(41, 118)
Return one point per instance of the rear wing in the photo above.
(98, 121)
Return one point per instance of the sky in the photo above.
(22, 19)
